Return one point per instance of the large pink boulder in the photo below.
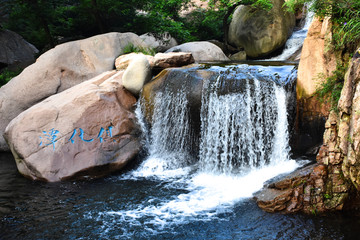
(87, 130)
(58, 69)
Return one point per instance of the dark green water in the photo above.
(78, 210)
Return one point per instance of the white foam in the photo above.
(161, 168)
(208, 195)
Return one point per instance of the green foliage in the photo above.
(330, 89)
(345, 16)
(131, 48)
(204, 25)
(327, 196)
(313, 210)
(225, 4)
(6, 75)
(46, 23)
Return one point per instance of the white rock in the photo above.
(137, 74)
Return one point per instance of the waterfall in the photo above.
(244, 123)
(209, 155)
(296, 40)
(243, 130)
(170, 138)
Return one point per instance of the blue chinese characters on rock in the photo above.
(51, 137)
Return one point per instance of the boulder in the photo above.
(160, 60)
(60, 68)
(261, 32)
(284, 193)
(15, 52)
(87, 130)
(160, 43)
(171, 59)
(123, 61)
(226, 48)
(239, 56)
(201, 51)
(137, 74)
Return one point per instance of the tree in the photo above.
(32, 17)
(46, 23)
(164, 16)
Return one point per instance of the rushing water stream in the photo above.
(296, 40)
(192, 184)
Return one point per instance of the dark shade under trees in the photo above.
(46, 23)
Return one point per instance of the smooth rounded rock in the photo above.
(88, 130)
(15, 51)
(137, 74)
(261, 32)
(160, 43)
(58, 69)
(201, 51)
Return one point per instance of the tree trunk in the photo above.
(96, 14)
(226, 24)
(43, 22)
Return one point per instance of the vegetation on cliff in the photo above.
(345, 32)
(330, 89)
(345, 16)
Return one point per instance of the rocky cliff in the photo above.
(333, 183)
(317, 63)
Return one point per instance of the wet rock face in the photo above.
(197, 83)
(187, 79)
(309, 126)
(284, 193)
(87, 130)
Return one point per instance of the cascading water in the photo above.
(296, 40)
(243, 141)
(170, 133)
(243, 130)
